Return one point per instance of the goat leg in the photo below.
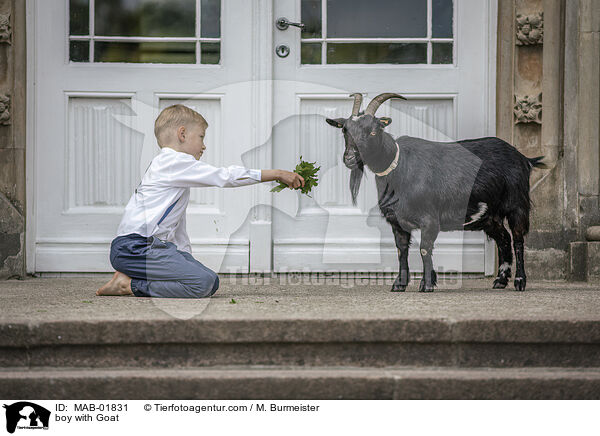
(520, 277)
(429, 234)
(402, 243)
(519, 225)
(496, 230)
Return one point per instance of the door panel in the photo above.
(444, 78)
(94, 121)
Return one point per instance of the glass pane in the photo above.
(311, 53)
(79, 17)
(211, 52)
(145, 17)
(376, 53)
(79, 51)
(210, 26)
(441, 18)
(151, 52)
(442, 53)
(311, 17)
(376, 18)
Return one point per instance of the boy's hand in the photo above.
(293, 180)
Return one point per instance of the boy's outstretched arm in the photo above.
(291, 179)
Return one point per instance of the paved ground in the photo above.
(73, 298)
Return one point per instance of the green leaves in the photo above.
(308, 171)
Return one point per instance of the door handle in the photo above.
(283, 23)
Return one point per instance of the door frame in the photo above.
(30, 140)
(261, 252)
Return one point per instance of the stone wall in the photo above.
(12, 138)
(582, 139)
(544, 53)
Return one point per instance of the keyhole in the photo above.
(282, 51)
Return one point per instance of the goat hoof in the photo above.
(520, 284)
(398, 286)
(500, 283)
(424, 288)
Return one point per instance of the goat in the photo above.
(441, 186)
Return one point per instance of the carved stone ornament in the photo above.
(4, 109)
(528, 109)
(530, 29)
(5, 30)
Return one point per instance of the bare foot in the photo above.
(119, 284)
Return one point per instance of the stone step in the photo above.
(301, 342)
(300, 383)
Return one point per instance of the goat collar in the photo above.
(392, 165)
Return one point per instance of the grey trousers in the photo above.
(158, 269)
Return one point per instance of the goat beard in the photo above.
(355, 178)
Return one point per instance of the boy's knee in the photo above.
(216, 285)
(207, 285)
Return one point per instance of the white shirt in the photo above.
(158, 205)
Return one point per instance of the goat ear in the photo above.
(337, 122)
(385, 121)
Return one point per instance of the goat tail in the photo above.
(537, 162)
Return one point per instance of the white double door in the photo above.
(92, 138)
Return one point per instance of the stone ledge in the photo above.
(545, 264)
(377, 343)
(355, 354)
(198, 331)
(584, 261)
(293, 383)
(593, 233)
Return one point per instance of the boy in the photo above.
(152, 253)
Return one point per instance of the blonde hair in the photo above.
(172, 117)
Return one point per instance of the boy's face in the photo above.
(193, 140)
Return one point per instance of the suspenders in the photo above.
(167, 212)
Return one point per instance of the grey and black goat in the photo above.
(472, 184)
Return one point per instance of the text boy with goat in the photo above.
(435, 186)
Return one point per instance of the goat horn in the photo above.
(357, 102)
(378, 101)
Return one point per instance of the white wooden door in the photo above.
(438, 54)
(103, 70)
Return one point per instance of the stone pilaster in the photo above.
(588, 99)
(582, 135)
(529, 116)
(12, 138)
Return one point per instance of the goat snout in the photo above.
(351, 160)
